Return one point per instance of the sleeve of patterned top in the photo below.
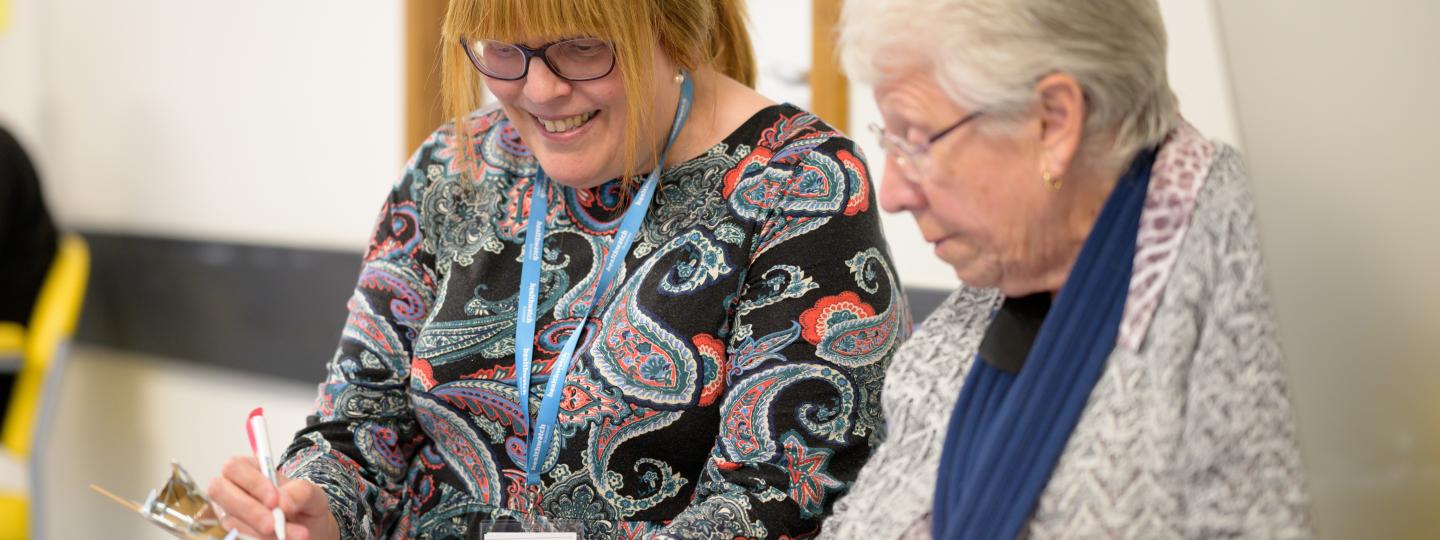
(360, 437)
(813, 328)
(1239, 453)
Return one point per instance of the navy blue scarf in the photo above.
(1008, 429)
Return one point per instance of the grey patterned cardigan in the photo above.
(1189, 432)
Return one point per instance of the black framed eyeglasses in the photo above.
(578, 59)
(912, 157)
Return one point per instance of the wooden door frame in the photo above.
(829, 89)
(424, 110)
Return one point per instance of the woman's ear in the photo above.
(1062, 111)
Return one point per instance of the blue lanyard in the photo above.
(542, 436)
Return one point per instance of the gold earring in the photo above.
(1051, 181)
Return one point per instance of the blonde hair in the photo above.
(693, 33)
(989, 54)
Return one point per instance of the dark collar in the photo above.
(1009, 337)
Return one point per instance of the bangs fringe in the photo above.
(540, 20)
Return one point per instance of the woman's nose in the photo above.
(897, 192)
(542, 84)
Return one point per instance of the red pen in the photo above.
(260, 445)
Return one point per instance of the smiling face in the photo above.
(980, 202)
(577, 130)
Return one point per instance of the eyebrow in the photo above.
(902, 120)
(895, 119)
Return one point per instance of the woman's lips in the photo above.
(564, 128)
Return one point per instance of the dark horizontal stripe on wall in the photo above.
(262, 309)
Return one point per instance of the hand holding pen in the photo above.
(258, 502)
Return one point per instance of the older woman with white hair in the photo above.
(1110, 367)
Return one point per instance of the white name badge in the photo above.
(531, 536)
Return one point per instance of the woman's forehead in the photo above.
(911, 93)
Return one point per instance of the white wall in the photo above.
(1197, 74)
(268, 121)
(780, 32)
(20, 71)
(1337, 107)
(123, 417)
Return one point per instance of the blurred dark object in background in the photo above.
(28, 242)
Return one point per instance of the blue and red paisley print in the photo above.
(728, 386)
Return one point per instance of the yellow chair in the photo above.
(36, 392)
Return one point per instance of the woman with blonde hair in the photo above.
(1110, 367)
(540, 340)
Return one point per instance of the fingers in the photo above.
(242, 512)
(307, 507)
(244, 471)
(232, 524)
(292, 531)
(301, 497)
(245, 497)
(295, 531)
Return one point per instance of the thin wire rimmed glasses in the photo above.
(914, 158)
(578, 59)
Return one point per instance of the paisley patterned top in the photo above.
(728, 386)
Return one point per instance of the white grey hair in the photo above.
(990, 53)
